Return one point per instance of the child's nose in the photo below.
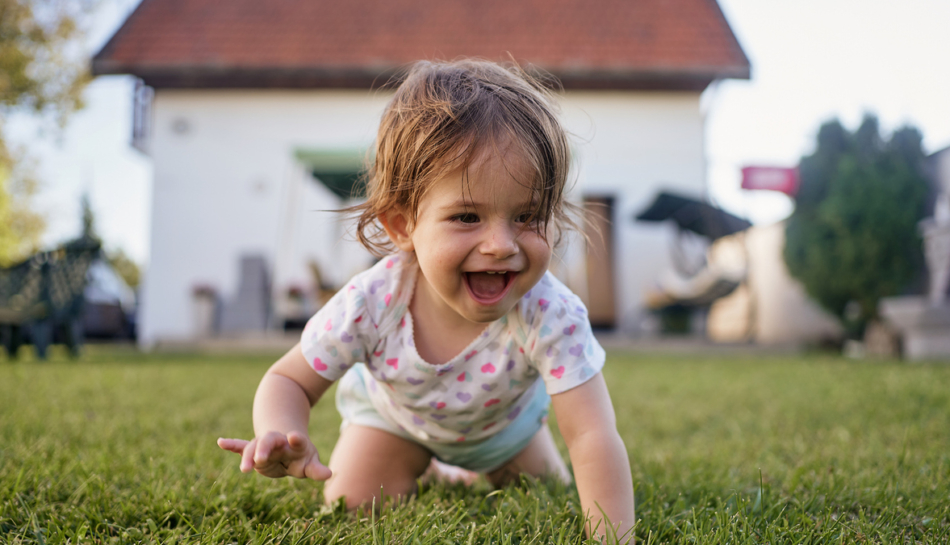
(500, 242)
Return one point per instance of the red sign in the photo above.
(771, 178)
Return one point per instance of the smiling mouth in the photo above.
(488, 288)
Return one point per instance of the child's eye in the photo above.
(524, 218)
(466, 218)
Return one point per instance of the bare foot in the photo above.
(442, 472)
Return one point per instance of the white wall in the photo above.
(630, 145)
(226, 183)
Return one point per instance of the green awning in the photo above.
(340, 170)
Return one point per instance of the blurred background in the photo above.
(764, 173)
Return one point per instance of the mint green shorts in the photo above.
(485, 455)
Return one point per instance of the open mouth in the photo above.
(487, 287)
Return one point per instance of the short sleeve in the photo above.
(340, 334)
(562, 344)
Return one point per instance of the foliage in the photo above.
(120, 262)
(124, 266)
(42, 72)
(119, 447)
(38, 62)
(853, 237)
(20, 226)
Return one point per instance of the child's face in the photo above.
(476, 254)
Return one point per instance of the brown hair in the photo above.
(442, 116)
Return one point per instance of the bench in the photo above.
(41, 299)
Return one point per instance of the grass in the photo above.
(119, 448)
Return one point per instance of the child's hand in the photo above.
(279, 455)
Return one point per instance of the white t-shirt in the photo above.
(544, 339)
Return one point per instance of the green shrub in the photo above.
(853, 237)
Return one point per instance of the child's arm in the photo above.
(586, 419)
(282, 405)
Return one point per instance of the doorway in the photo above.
(601, 304)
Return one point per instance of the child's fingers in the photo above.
(317, 471)
(232, 445)
(268, 448)
(247, 456)
(297, 441)
(312, 469)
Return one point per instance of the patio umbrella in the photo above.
(693, 215)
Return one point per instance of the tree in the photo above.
(42, 72)
(120, 262)
(20, 226)
(853, 236)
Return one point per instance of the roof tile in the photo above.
(621, 38)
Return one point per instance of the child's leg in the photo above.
(366, 460)
(540, 458)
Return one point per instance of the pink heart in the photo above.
(388, 298)
(440, 405)
(393, 362)
(488, 368)
(461, 377)
(319, 365)
(390, 263)
(329, 325)
(492, 401)
(570, 330)
(543, 303)
(558, 372)
(470, 354)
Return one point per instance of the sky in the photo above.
(812, 61)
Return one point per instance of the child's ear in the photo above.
(396, 224)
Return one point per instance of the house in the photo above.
(247, 106)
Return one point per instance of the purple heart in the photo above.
(576, 350)
(370, 366)
(417, 421)
(376, 285)
(346, 337)
(514, 414)
(415, 381)
(438, 416)
(443, 371)
(464, 397)
(527, 295)
(344, 366)
(463, 431)
(488, 387)
(510, 366)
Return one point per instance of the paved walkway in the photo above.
(278, 342)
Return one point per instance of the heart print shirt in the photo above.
(545, 340)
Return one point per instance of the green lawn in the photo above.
(119, 447)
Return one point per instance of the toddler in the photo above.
(453, 346)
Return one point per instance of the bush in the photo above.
(853, 237)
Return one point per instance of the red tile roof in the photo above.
(346, 43)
